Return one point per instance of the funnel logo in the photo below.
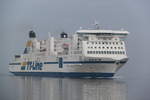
(31, 65)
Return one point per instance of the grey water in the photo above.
(47, 88)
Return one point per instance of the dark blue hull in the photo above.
(64, 74)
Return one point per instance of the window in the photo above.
(109, 52)
(93, 52)
(123, 52)
(118, 52)
(112, 52)
(97, 52)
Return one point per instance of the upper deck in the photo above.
(120, 33)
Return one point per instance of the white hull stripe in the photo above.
(78, 62)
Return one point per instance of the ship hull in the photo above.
(64, 74)
(69, 69)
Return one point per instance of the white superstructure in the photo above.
(87, 53)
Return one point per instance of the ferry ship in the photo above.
(87, 53)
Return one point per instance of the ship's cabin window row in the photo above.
(105, 47)
(117, 43)
(105, 52)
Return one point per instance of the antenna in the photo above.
(96, 24)
(49, 34)
(81, 28)
(122, 29)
